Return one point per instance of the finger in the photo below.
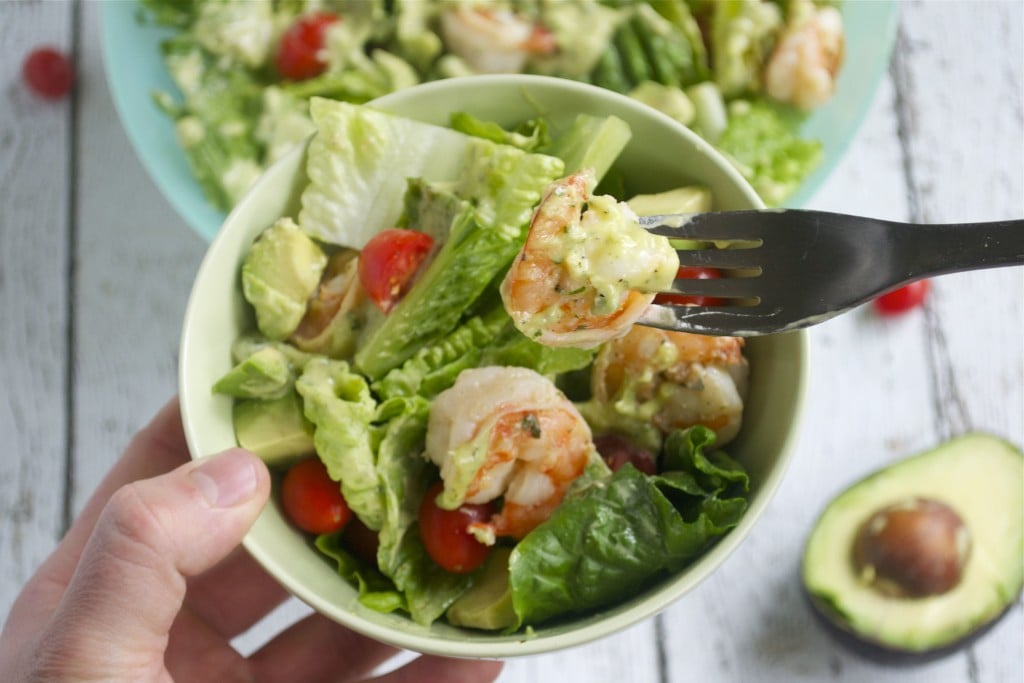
(318, 649)
(432, 668)
(158, 448)
(152, 534)
(235, 594)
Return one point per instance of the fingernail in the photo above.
(226, 479)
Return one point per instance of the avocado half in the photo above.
(919, 558)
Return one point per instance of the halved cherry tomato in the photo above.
(388, 262)
(299, 54)
(312, 500)
(692, 273)
(903, 299)
(48, 73)
(445, 536)
(617, 450)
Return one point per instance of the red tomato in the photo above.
(445, 536)
(903, 299)
(362, 540)
(299, 52)
(388, 262)
(692, 273)
(48, 73)
(312, 500)
(617, 450)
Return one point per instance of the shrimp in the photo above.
(674, 380)
(335, 312)
(494, 40)
(587, 269)
(802, 68)
(507, 431)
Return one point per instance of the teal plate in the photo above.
(135, 70)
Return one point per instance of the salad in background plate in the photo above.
(742, 73)
(477, 475)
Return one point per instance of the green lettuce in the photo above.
(358, 163)
(405, 476)
(742, 35)
(760, 141)
(616, 534)
(406, 577)
(376, 591)
(338, 403)
(512, 347)
(214, 121)
(529, 136)
(435, 366)
(499, 187)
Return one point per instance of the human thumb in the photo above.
(152, 535)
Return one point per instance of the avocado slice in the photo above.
(276, 430)
(266, 374)
(688, 199)
(280, 273)
(488, 603)
(918, 558)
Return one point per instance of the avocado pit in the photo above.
(912, 549)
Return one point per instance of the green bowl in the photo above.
(662, 154)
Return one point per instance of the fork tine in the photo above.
(714, 226)
(720, 258)
(728, 287)
(733, 321)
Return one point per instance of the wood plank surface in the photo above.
(35, 264)
(95, 269)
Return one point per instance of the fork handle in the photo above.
(954, 247)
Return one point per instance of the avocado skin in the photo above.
(838, 626)
(879, 652)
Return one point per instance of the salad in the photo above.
(441, 365)
(739, 72)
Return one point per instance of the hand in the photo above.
(150, 584)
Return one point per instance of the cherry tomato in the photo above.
(362, 540)
(903, 299)
(692, 273)
(312, 500)
(388, 262)
(48, 73)
(299, 52)
(617, 450)
(445, 536)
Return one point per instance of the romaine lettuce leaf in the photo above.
(376, 591)
(593, 142)
(405, 476)
(338, 403)
(742, 34)
(614, 535)
(214, 121)
(512, 347)
(435, 367)
(528, 136)
(504, 184)
(358, 163)
(760, 141)
(406, 578)
(239, 31)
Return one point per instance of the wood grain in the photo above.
(35, 264)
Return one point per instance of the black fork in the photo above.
(788, 269)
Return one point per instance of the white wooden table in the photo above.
(95, 268)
